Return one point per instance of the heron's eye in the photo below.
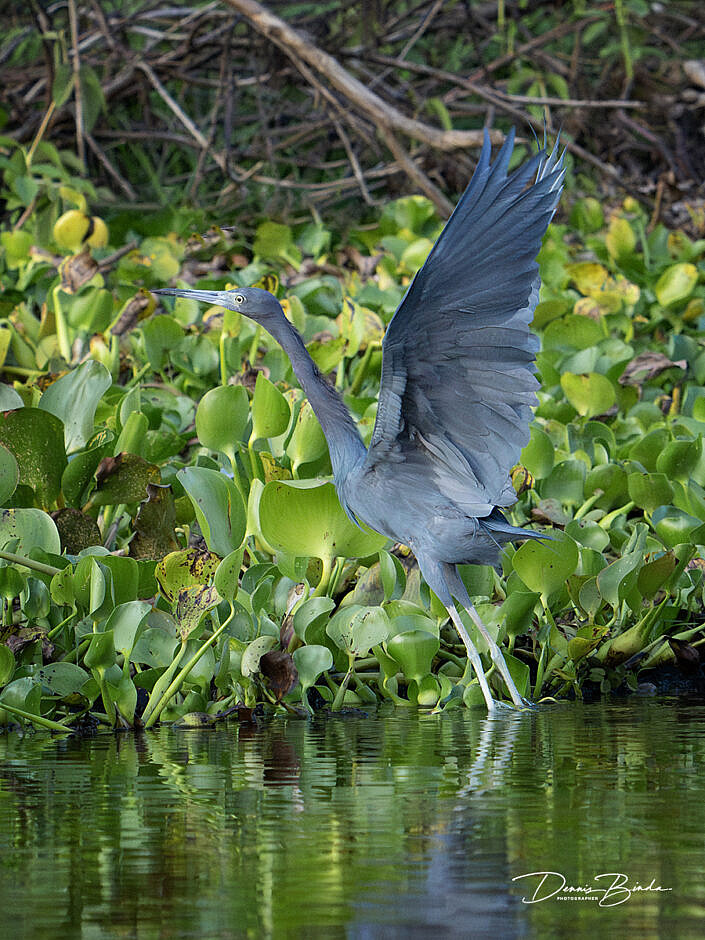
(239, 299)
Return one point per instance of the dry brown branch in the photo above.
(294, 44)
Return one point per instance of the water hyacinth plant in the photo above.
(170, 542)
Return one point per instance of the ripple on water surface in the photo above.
(395, 824)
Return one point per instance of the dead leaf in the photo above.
(648, 365)
(279, 672)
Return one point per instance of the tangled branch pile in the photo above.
(323, 103)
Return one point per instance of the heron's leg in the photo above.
(458, 589)
(436, 576)
(473, 656)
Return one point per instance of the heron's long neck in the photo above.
(344, 442)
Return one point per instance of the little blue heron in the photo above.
(457, 387)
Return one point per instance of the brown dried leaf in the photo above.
(279, 672)
(648, 365)
(77, 270)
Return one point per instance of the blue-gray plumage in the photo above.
(457, 387)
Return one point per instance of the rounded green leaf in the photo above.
(414, 651)
(620, 238)
(219, 508)
(304, 517)
(649, 490)
(227, 575)
(74, 398)
(655, 573)
(676, 283)
(311, 662)
(589, 394)
(544, 566)
(674, 526)
(357, 629)
(127, 622)
(62, 679)
(11, 582)
(538, 454)
(616, 581)
(33, 528)
(222, 416)
(311, 614)
(270, 410)
(678, 459)
(308, 443)
(36, 440)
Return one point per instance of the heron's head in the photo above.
(253, 302)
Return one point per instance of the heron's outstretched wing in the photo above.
(457, 383)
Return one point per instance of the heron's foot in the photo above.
(504, 708)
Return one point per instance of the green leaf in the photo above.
(9, 473)
(545, 566)
(219, 508)
(307, 443)
(154, 648)
(221, 418)
(7, 664)
(310, 615)
(270, 410)
(78, 476)
(654, 574)
(616, 581)
(62, 679)
(538, 455)
(24, 693)
(414, 651)
(124, 479)
(100, 654)
(62, 86)
(274, 240)
(676, 283)
(36, 440)
(186, 568)
(357, 629)
(227, 575)
(127, 621)
(620, 239)
(32, 528)
(590, 394)
(17, 246)
(74, 398)
(161, 334)
(192, 604)
(676, 527)
(311, 661)
(304, 517)
(679, 458)
(649, 490)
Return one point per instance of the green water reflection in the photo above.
(385, 826)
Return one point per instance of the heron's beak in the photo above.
(212, 297)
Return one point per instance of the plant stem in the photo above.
(62, 328)
(162, 683)
(29, 563)
(36, 719)
(175, 684)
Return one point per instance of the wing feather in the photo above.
(458, 387)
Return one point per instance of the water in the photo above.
(393, 825)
